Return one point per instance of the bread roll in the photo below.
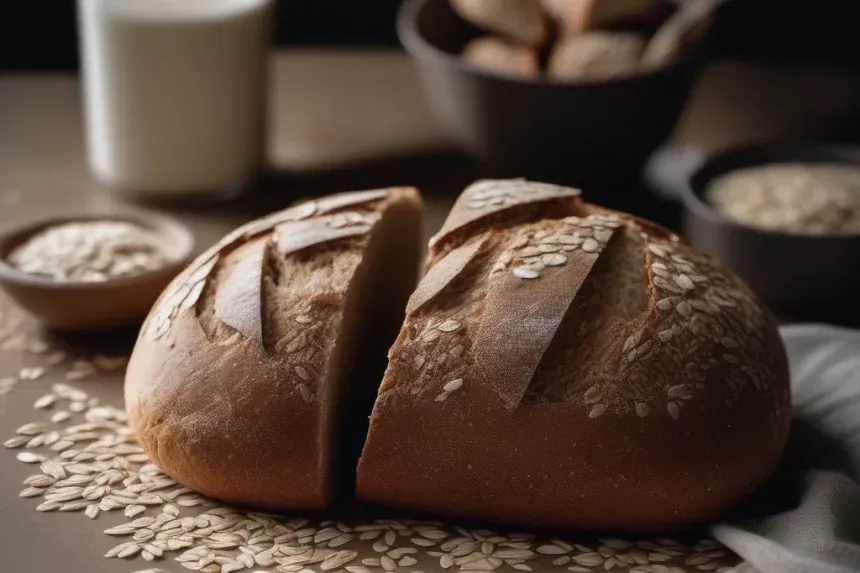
(237, 382)
(500, 56)
(566, 366)
(521, 21)
(576, 16)
(595, 55)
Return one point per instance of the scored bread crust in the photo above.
(567, 366)
(235, 370)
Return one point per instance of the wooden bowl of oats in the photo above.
(93, 272)
(786, 218)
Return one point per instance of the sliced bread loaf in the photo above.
(566, 366)
(236, 386)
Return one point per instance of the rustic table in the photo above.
(340, 120)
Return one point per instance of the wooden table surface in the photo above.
(341, 120)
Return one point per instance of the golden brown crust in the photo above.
(442, 273)
(618, 379)
(239, 301)
(232, 377)
(295, 236)
(490, 199)
(524, 308)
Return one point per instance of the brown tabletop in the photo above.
(341, 120)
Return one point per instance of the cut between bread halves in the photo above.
(566, 366)
(237, 383)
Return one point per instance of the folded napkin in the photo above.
(806, 519)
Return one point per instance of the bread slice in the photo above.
(521, 21)
(566, 366)
(500, 56)
(236, 386)
(595, 55)
(576, 16)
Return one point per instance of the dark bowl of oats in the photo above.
(92, 272)
(786, 218)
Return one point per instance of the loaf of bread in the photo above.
(566, 366)
(521, 21)
(595, 55)
(238, 381)
(503, 57)
(575, 16)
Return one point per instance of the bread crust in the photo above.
(633, 383)
(224, 400)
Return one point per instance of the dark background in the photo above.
(40, 34)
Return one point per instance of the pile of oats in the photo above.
(90, 251)
(818, 199)
(89, 462)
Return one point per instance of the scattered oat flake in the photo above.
(526, 273)
(45, 401)
(16, 442)
(33, 373)
(453, 385)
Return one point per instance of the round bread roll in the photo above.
(521, 21)
(567, 366)
(238, 380)
(500, 56)
(595, 55)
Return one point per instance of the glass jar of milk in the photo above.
(175, 93)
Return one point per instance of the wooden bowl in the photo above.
(578, 129)
(114, 303)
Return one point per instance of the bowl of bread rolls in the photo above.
(559, 365)
(579, 87)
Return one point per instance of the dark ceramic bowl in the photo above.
(586, 128)
(798, 276)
